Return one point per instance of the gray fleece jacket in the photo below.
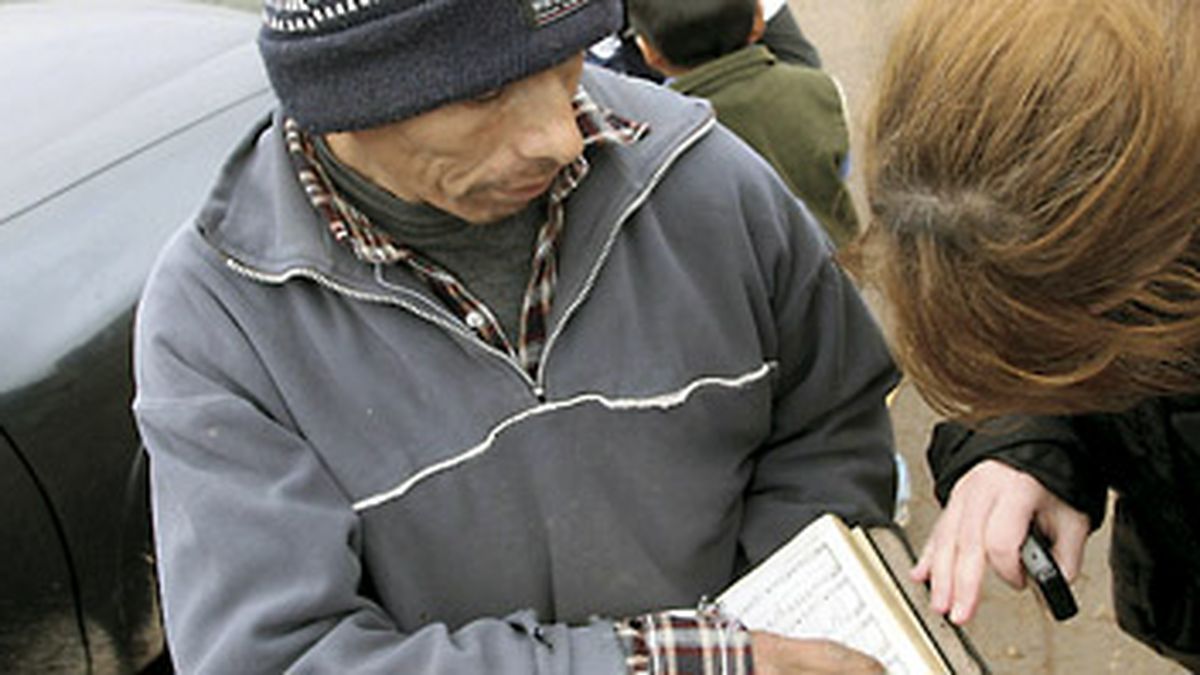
(345, 479)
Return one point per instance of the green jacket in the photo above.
(793, 117)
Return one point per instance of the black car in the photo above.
(114, 123)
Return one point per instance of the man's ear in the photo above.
(760, 24)
(653, 57)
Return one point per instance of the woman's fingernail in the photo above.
(958, 614)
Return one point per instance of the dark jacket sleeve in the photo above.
(1047, 448)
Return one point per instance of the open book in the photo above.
(851, 586)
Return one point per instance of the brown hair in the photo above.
(1033, 173)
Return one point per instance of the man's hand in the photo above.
(778, 655)
(985, 522)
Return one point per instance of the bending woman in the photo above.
(1034, 183)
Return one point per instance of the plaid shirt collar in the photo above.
(373, 245)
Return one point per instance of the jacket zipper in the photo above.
(633, 205)
(326, 282)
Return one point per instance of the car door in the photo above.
(40, 627)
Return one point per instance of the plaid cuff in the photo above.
(685, 642)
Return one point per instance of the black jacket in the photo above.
(1150, 455)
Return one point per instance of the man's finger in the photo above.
(826, 656)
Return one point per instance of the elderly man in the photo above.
(480, 361)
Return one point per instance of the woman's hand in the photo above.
(984, 523)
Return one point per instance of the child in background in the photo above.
(619, 51)
(792, 115)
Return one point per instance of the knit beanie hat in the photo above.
(342, 65)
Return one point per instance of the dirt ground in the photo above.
(1012, 631)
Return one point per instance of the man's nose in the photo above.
(544, 117)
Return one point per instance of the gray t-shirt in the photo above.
(494, 261)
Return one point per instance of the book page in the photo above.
(816, 587)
